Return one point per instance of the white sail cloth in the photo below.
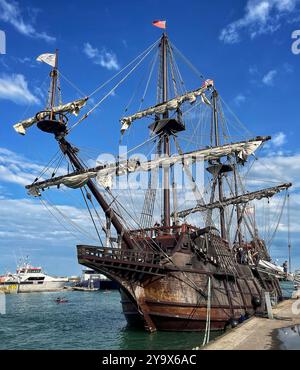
(173, 104)
(271, 266)
(73, 182)
(243, 198)
(106, 173)
(72, 107)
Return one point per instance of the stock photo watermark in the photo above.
(2, 303)
(2, 42)
(133, 173)
(296, 43)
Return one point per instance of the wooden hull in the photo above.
(170, 304)
(172, 293)
(188, 311)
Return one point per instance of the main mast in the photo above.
(165, 133)
(217, 143)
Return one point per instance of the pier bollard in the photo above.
(269, 305)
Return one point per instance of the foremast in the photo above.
(68, 150)
(54, 80)
(55, 123)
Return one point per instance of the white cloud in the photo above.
(253, 70)
(288, 68)
(17, 169)
(104, 58)
(261, 17)
(279, 139)
(15, 88)
(33, 220)
(278, 169)
(11, 13)
(239, 99)
(28, 228)
(268, 78)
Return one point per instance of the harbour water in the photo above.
(287, 288)
(87, 321)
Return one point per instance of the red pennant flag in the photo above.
(160, 24)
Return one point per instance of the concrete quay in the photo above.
(259, 333)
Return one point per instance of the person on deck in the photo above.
(285, 267)
(156, 226)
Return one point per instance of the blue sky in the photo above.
(245, 46)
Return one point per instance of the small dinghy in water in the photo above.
(61, 300)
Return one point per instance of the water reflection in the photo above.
(289, 337)
(135, 338)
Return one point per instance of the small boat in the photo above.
(92, 281)
(84, 289)
(61, 300)
(28, 279)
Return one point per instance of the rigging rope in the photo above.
(47, 167)
(185, 59)
(92, 218)
(123, 69)
(111, 91)
(75, 226)
(289, 231)
(137, 88)
(149, 79)
(270, 241)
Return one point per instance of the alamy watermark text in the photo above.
(2, 42)
(296, 43)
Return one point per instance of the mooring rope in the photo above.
(208, 309)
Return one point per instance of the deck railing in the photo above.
(121, 255)
(161, 231)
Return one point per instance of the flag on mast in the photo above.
(160, 24)
(48, 59)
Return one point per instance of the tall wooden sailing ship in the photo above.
(173, 275)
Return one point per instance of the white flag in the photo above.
(48, 59)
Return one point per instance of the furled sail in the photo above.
(105, 173)
(244, 198)
(73, 181)
(172, 104)
(73, 107)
